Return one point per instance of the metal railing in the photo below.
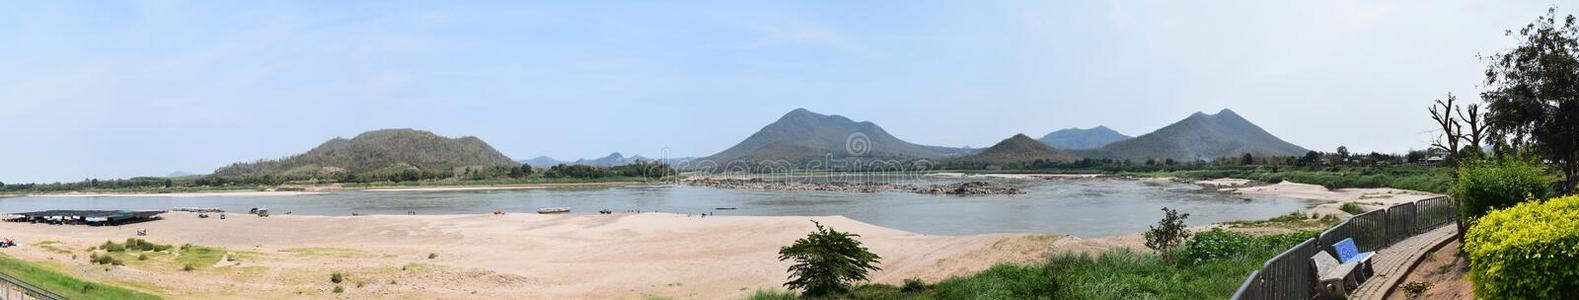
(14, 289)
(1290, 275)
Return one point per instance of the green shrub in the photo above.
(188, 268)
(913, 285)
(1486, 186)
(1352, 208)
(1169, 232)
(105, 259)
(336, 277)
(1215, 244)
(112, 247)
(338, 289)
(142, 257)
(1528, 251)
(826, 261)
(433, 255)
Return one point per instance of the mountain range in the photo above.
(1200, 136)
(1081, 139)
(798, 136)
(386, 150)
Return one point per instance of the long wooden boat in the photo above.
(553, 210)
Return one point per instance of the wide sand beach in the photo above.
(488, 256)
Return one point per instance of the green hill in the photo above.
(1013, 151)
(1200, 136)
(379, 152)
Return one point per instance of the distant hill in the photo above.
(379, 152)
(1075, 138)
(1201, 136)
(542, 162)
(1018, 149)
(179, 174)
(802, 135)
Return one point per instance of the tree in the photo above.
(1247, 160)
(519, 172)
(1451, 130)
(1169, 232)
(827, 261)
(1310, 158)
(1532, 93)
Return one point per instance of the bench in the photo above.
(1333, 279)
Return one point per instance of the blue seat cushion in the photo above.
(1347, 252)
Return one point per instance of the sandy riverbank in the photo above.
(182, 195)
(511, 256)
(1328, 201)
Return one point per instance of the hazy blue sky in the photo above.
(117, 89)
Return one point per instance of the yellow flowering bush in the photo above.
(1528, 251)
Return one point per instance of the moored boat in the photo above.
(553, 210)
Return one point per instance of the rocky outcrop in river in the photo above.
(963, 188)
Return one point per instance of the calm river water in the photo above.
(1084, 208)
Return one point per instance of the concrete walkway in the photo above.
(1393, 263)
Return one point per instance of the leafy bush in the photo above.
(142, 245)
(1216, 244)
(913, 285)
(1352, 208)
(1486, 186)
(188, 268)
(336, 277)
(105, 259)
(338, 289)
(1169, 232)
(826, 261)
(1528, 251)
(112, 247)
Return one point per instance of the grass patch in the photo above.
(771, 295)
(53, 246)
(65, 285)
(325, 252)
(1293, 220)
(199, 257)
